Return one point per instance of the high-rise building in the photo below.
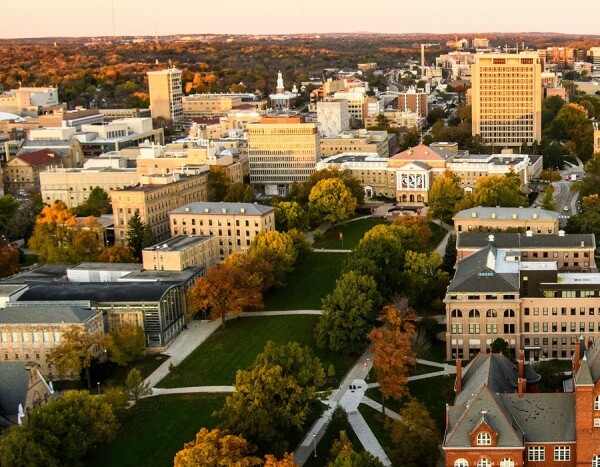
(506, 98)
(413, 101)
(333, 117)
(282, 151)
(166, 94)
(596, 137)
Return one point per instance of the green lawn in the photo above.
(157, 429)
(352, 233)
(216, 361)
(313, 278)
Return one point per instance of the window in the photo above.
(474, 314)
(536, 453)
(490, 314)
(562, 453)
(484, 463)
(456, 314)
(484, 439)
(507, 462)
(473, 328)
(595, 461)
(596, 422)
(463, 463)
(511, 313)
(597, 403)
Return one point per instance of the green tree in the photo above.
(588, 221)
(444, 194)
(18, 448)
(8, 209)
(423, 277)
(277, 249)
(148, 238)
(349, 313)
(274, 397)
(548, 201)
(126, 344)
(592, 166)
(9, 259)
(290, 215)
(97, 203)
(415, 437)
(330, 200)
(499, 345)
(502, 191)
(300, 191)
(135, 234)
(218, 183)
(450, 255)
(135, 386)
(66, 428)
(240, 193)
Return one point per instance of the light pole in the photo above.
(98, 387)
(315, 444)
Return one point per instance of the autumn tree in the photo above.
(416, 227)
(135, 386)
(349, 313)
(300, 192)
(60, 432)
(218, 183)
(87, 239)
(52, 237)
(97, 204)
(444, 194)
(217, 447)
(592, 166)
(503, 190)
(277, 248)
(393, 354)
(135, 234)
(126, 344)
(75, 352)
(415, 437)
(290, 215)
(225, 289)
(547, 201)
(330, 200)
(274, 397)
(117, 254)
(240, 193)
(9, 259)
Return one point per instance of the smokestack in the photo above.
(458, 384)
(576, 358)
(522, 387)
(521, 364)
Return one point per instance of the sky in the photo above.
(51, 18)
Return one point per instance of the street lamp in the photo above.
(98, 387)
(315, 443)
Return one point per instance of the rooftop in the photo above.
(45, 314)
(507, 213)
(181, 242)
(14, 381)
(41, 157)
(422, 152)
(522, 241)
(223, 208)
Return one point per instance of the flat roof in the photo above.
(181, 242)
(579, 278)
(223, 208)
(45, 314)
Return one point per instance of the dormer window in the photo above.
(484, 439)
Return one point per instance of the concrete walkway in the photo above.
(377, 406)
(250, 314)
(192, 390)
(323, 250)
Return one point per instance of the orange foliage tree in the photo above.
(226, 288)
(393, 351)
(9, 259)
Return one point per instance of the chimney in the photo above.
(582, 244)
(458, 384)
(447, 416)
(521, 364)
(576, 359)
(522, 387)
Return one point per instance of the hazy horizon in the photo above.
(88, 18)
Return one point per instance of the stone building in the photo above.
(483, 219)
(22, 172)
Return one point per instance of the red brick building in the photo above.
(498, 419)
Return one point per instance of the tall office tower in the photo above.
(506, 98)
(166, 94)
(333, 117)
(282, 151)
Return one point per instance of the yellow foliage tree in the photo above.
(330, 200)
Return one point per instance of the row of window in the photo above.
(219, 222)
(489, 328)
(488, 314)
(563, 310)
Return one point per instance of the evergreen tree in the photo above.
(148, 238)
(135, 234)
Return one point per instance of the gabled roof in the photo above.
(417, 164)
(474, 274)
(592, 361)
(223, 208)
(41, 157)
(45, 314)
(484, 402)
(423, 153)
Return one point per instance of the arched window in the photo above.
(595, 461)
(491, 314)
(474, 314)
(484, 463)
(484, 439)
(456, 314)
(507, 462)
(597, 403)
(509, 313)
(461, 463)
